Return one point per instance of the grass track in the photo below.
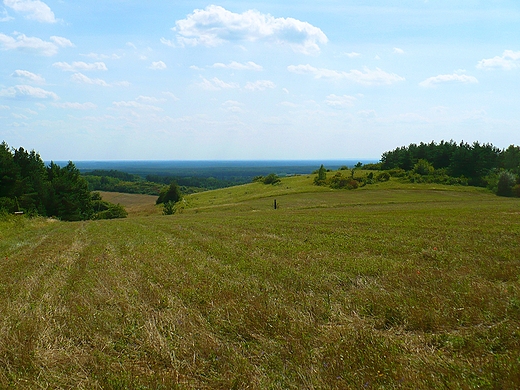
(389, 287)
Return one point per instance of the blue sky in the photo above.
(239, 80)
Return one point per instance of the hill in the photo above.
(391, 285)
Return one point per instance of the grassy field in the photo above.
(389, 286)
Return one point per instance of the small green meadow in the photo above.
(390, 286)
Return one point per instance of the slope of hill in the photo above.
(391, 285)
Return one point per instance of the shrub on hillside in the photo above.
(272, 178)
(383, 176)
(506, 182)
(106, 210)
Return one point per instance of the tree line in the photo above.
(474, 164)
(27, 185)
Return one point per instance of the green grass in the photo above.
(389, 286)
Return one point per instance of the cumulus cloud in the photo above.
(448, 78)
(32, 9)
(80, 66)
(62, 42)
(233, 106)
(215, 25)
(26, 91)
(159, 65)
(215, 84)
(508, 60)
(238, 66)
(24, 74)
(135, 104)
(97, 56)
(260, 85)
(336, 101)
(150, 99)
(81, 78)
(25, 43)
(4, 16)
(76, 106)
(365, 77)
(171, 96)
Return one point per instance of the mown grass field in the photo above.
(390, 286)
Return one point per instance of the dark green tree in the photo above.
(68, 195)
(322, 176)
(171, 193)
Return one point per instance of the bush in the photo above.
(271, 179)
(506, 182)
(423, 167)
(383, 176)
(169, 208)
(113, 211)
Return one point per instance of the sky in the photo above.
(245, 80)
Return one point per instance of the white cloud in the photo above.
(22, 91)
(33, 10)
(80, 66)
(97, 56)
(25, 43)
(159, 65)
(260, 85)
(62, 42)
(134, 104)
(24, 74)
(238, 66)
(366, 77)
(508, 60)
(4, 107)
(367, 113)
(353, 54)
(233, 106)
(340, 101)
(150, 99)
(398, 50)
(76, 106)
(81, 78)
(448, 78)
(215, 25)
(171, 96)
(5, 16)
(216, 84)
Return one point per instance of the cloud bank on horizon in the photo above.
(280, 80)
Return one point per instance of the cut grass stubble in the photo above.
(368, 291)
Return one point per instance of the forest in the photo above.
(28, 186)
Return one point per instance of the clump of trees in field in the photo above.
(28, 186)
(271, 178)
(346, 178)
(168, 197)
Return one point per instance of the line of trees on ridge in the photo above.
(476, 164)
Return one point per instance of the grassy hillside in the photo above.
(388, 286)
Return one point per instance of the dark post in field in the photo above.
(275, 204)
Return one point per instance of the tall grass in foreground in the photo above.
(383, 290)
